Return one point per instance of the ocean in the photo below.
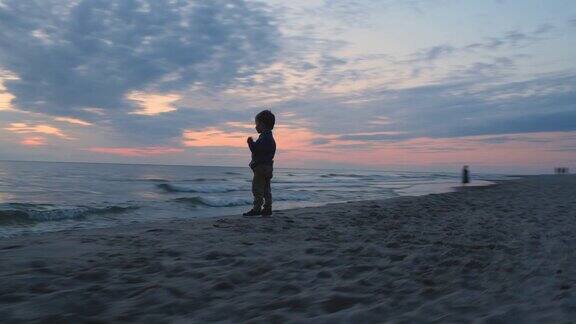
(40, 197)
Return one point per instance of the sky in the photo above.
(420, 85)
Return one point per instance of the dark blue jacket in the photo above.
(263, 149)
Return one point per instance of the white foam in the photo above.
(213, 201)
(208, 188)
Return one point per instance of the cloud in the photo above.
(214, 137)
(377, 136)
(458, 109)
(167, 128)
(513, 38)
(358, 13)
(480, 104)
(23, 128)
(5, 96)
(33, 141)
(433, 53)
(74, 121)
(291, 139)
(485, 70)
(510, 39)
(320, 141)
(564, 149)
(5, 100)
(511, 138)
(153, 104)
(70, 56)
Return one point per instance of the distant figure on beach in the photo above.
(561, 170)
(465, 175)
(263, 150)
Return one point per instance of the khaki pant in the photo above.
(261, 186)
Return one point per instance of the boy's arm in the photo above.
(261, 144)
(255, 145)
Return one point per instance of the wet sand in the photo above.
(498, 254)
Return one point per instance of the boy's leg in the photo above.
(267, 188)
(258, 185)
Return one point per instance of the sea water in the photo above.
(42, 196)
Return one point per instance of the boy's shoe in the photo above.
(252, 212)
(266, 211)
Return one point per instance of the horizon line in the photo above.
(231, 166)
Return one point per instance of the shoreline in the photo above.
(54, 226)
(503, 252)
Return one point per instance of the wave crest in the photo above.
(198, 201)
(14, 213)
(217, 188)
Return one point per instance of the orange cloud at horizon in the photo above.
(136, 151)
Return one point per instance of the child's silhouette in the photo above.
(263, 150)
(465, 175)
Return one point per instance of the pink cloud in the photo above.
(288, 137)
(73, 121)
(5, 96)
(214, 137)
(152, 104)
(23, 128)
(527, 151)
(136, 151)
(33, 141)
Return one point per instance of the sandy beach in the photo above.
(498, 254)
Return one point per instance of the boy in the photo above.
(263, 150)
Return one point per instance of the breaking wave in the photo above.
(28, 213)
(212, 188)
(199, 201)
